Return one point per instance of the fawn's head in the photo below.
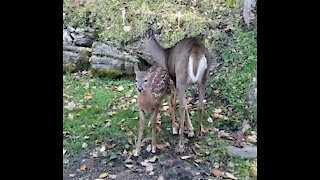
(141, 78)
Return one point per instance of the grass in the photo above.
(86, 123)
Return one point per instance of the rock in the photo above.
(252, 93)
(66, 37)
(250, 12)
(246, 152)
(75, 58)
(108, 61)
(82, 37)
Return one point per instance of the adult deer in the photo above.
(152, 86)
(187, 62)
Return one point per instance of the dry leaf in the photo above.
(151, 173)
(64, 151)
(216, 172)
(222, 134)
(83, 167)
(252, 138)
(160, 177)
(126, 28)
(218, 110)
(70, 116)
(103, 175)
(210, 120)
(129, 166)
(198, 161)
(231, 164)
(246, 127)
(144, 163)
(102, 149)
(109, 146)
(149, 148)
(84, 145)
(231, 176)
(153, 159)
(198, 146)
(165, 108)
(71, 105)
(111, 113)
(112, 176)
(161, 146)
(120, 88)
(128, 94)
(149, 168)
(130, 140)
(186, 157)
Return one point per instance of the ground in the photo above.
(101, 125)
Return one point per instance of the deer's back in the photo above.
(178, 56)
(157, 88)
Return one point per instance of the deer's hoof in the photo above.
(153, 150)
(174, 131)
(199, 134)
(136, 153)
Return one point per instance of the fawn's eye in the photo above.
(145, 80)
(136, 81)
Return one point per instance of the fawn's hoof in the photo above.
(174, 131)
(191, 133)
(199, 134)
(180, 149)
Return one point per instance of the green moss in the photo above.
(106, 73)
(68, 67)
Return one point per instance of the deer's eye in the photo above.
(145, 80)
(136, 81)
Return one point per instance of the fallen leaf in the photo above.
(126, 28)
(216, 172)
(149, 148)
(144, 163)
(94, 154)
(127, 95)
(210, 120)
(108, 122)
(231, 164)
(153, 159)
(231, 176)
(70, 116)
(120, 88)
(64, 151)
(222, 134)
(151, 173)
(112, 176)
(160, 177)
(102, 149)
(71, 105)
(84, 145)
(88, 97)
(130, 140)
(111, 113)
(83, 167)
(215, 115)
(149, 168)
(252, 138)
(129, 166)
(165, 108)
(103, 175)
(186, 157)
(246, 127)
(113, 156)
(72, 175)
(161, 146)
(218, 110)
(197, 145)
(198, 161)
(133, 100)
(98, 141)
(109, 146)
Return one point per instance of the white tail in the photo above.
(188, 57)
(201, 68)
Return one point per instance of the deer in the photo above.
(152, 86)
(187, 62)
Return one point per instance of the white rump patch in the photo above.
(201, 68)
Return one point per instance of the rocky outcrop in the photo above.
(250, 12)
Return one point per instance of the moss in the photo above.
(106, 73)
(68, 67)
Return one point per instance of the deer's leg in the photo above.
(172, 108)
(190, 127)
(201, 89)
(138, 145)
(154, 128)
(181, 90)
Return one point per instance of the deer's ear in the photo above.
(136, 68)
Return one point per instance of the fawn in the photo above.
(187, 62)
(152, 86)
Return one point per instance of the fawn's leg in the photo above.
(172, 108)
(181, 90)
(138, 145)
(154, 128)
(201, 89)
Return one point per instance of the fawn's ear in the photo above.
(136, 68)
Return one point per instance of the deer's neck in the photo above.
(158, 52)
